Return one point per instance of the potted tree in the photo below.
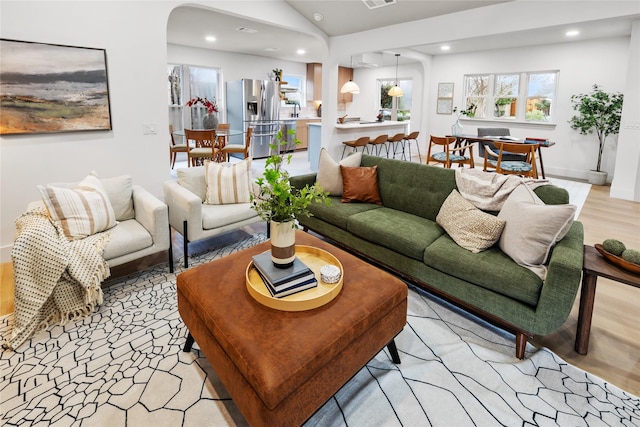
(278, 203)
(598, 112)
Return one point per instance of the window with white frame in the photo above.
(527, 96)
(402, 104)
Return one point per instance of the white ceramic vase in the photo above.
(597, 177)
(283, 243)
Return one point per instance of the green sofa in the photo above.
(402, 236)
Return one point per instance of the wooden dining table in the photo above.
(464, 139)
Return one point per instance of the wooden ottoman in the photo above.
(280, 366)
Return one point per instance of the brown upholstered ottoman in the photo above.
(278, 366)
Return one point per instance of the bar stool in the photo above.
(360, 142)
(378, 142)
(413, 136)
(394, 141)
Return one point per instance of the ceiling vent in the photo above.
(367, 60)
(374, 4)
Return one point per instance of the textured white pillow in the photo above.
(193, 180)
(467, 225)
(81, 211)
(227, 182)
(329, 176)
(532, 228)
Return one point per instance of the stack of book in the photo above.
(539, 141)
(284, 281)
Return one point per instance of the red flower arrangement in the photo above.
(209, 105)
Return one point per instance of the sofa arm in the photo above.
(562, 281)
(183, 206)
(300, 181)
(152, 214)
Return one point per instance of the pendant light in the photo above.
(396, 90)
(350, 86)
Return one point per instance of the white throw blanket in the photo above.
(488, 191)
(56, 280)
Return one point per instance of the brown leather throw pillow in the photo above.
(360, 184)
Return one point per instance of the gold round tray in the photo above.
(314, 258)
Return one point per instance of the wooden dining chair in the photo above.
(204, 146)
(450, 154)
(526, 167)
(221, 140)
(174, 148)
(229, 149)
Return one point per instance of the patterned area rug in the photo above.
(124, 366)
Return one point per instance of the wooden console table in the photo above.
(595, 265)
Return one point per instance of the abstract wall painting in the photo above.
(47, 88)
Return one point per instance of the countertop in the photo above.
(358, 125)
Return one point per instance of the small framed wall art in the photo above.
(445, 106)
(47, 88)
(445, 90)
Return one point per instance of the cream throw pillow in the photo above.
(467, 225)
(81, 211)
(532, 228)
(329, 176)
(227, 183)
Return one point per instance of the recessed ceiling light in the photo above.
(445, 47)
(210, 38)
(318, 16)
(572, 33)
(301, 51)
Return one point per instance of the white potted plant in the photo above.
(278, 203)
(598, 112)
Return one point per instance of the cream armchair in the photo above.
(142, 227)
(195, 220)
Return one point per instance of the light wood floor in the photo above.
(614, 351)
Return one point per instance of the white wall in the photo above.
(134, 36)
(580, 65)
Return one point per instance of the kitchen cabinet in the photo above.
(314, 81)
(344, 75)
(302, 132)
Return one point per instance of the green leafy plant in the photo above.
(276, 200)
(598, 112)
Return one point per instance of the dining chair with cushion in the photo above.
(526, 167)
(229, 149)
(378, 142)
(204, 145)
(363, 142)
(497, 132)
(174, 149)
(450, 153)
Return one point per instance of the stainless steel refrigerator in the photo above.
(254, 103)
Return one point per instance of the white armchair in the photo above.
(142, 222)
(195, 220)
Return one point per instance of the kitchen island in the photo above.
(350, 131)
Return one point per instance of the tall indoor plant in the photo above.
(598, 112)
(278, 203)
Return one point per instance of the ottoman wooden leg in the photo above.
(188, 343)
(395, 357)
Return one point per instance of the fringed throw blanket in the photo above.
(488, 191)
(56, 280)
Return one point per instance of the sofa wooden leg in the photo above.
(521, 344)
(188, 343)
(395, 357)
(185, 245)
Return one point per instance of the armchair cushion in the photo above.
(120, 192)
(129, 236)
(193, 180)
(227, 183)
(81, 211)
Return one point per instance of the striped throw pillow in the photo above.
(227, 183)
(83, 210)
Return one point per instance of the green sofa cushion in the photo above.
(414, 188)
(404, 233)
(338, 213)
(491, 269)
